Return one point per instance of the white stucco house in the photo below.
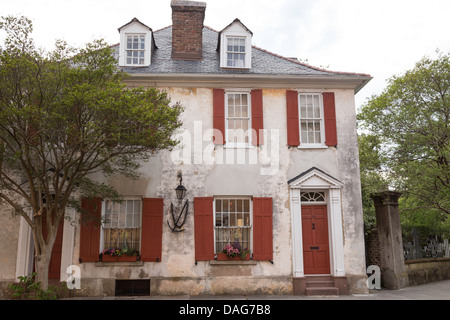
(269, 158)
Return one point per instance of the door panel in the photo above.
(316, 254)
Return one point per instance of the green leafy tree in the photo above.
(371, 172)
(64, 116)
(411, 120)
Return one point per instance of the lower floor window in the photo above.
(232, 223)
(122, 225)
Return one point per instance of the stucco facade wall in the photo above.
(266, 176)
(256, 171)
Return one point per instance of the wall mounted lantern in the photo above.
(179, 220)
(180, 190)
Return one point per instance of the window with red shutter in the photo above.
(293, 135)
(262, 229)
(257, 117)
(204, 229)
(90, 229)
(306, 124)
(152, 226)
(219, 116)
(329, 111)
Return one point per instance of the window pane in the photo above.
(237, 110)
(303, 112)
(316, 107)
(245, 99)
(231, 124)
(316, 112)
(218, 219)
(246, 205)
(317, 137)
(137, 214)
(244, 111)
(230, 110)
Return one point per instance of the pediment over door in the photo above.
(314, 178)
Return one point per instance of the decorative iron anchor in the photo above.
(177, 225)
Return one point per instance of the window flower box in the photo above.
(119, 255)
(224, 257)
(122, 258)
(233, 252)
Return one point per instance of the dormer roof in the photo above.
(135, 20)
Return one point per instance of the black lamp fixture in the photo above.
(178, 221)
(180, 190)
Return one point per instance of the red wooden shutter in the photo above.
(204, 229)
(219, 116)
(293, 134)
(262, 229)
(257, 117)
(152, 226)
(90, 229)
(329, 112)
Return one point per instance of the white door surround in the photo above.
(317, 180)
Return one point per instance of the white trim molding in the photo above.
(312, 180)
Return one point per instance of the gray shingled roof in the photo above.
(263, 62)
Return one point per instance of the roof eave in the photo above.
(264, 81)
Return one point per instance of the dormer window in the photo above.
(236, 52)
(235, 46)
(136, 44)
(135, 51)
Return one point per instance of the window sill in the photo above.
(313, 147)
(236, 68)
(238, 146)
(119, 263)
(232, 262)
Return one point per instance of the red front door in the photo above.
(316, 251)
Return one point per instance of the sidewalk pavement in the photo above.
(431, 291)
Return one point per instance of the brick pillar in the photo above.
(393, 275)
(187, 29)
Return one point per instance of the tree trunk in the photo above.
(42, 263)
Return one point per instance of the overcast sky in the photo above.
(377, 37)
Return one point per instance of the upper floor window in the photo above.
(238, 119)
(235, 45)
(235, 52)
(136, 44)
(135, 51)
(311, 119)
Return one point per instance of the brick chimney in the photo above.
(187, 29)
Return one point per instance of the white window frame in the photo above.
(102, 230)
(249, 134)
(250, 215)
(304, 144)
(132, 50)
(132, 29)
(233, 53)
(235, 30)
